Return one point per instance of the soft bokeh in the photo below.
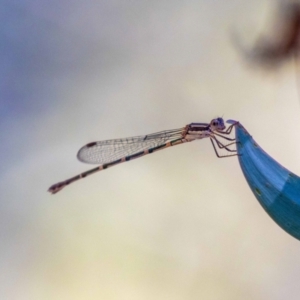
(178, 224)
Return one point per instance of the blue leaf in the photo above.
(276, 188)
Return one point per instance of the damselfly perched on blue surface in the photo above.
(112, 152)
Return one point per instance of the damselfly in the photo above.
(112, 152)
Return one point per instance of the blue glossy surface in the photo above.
(276, 188)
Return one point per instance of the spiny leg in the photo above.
(229, 129)
(220, 156)
(220, 145)
(224, 137)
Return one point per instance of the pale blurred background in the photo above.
(178, 224)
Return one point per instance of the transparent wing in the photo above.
(107, 151)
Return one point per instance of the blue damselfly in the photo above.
(109, 153)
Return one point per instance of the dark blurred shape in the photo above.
(283, 42)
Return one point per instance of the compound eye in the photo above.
(215, 123)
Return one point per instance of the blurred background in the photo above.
(178, 224)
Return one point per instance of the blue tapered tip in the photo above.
(276, 188)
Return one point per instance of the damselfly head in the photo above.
(217, 124)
